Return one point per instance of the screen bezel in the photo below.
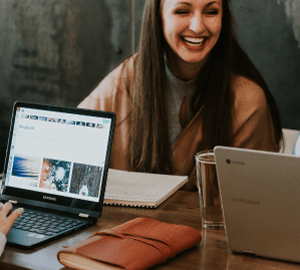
(72, 205)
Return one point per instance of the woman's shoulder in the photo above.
(123, 72)
(114, 85)
(247, 93)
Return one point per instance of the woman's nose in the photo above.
(197, 24)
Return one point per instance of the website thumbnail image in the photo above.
(56, 177)
(64, 121)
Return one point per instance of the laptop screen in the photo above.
(57, 152)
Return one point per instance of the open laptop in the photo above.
(56, 168)
(260, 192)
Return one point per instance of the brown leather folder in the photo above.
(138, 244)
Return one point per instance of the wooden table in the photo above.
(181, 208)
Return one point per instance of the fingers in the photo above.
(6, 208)
(14, 215)
(7, 222)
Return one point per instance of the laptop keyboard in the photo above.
(43, 223)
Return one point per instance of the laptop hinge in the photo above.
(13, 201)
(83, 215)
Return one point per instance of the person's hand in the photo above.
(6, 220)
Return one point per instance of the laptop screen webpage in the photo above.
(58, 153)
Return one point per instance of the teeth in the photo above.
(195, 41)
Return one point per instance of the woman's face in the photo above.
(191, 28)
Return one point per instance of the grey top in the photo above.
(176, 92)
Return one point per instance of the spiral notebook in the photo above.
(137, 189)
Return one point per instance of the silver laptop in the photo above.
(260, 192)
(56, 169)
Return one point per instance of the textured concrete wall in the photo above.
(52, 51)
(56, 51)
(269, 31)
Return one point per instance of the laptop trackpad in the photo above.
(24, 238)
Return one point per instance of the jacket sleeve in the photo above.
(253, 126)
(2, 242)
(102, 97)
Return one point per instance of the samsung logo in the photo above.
(239, 200)
(49, 198)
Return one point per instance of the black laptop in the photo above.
(56, 169)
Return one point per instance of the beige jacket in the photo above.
(252, 126)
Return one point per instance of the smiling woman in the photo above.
(191, 31)
(189, 87)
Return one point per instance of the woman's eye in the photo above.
(213, 12)
(181, 11)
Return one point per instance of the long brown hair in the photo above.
(150, 145)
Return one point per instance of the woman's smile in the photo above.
(193, 42)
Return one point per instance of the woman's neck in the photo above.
(183, 70)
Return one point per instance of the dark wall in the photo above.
(269, 31)
(56, 51)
